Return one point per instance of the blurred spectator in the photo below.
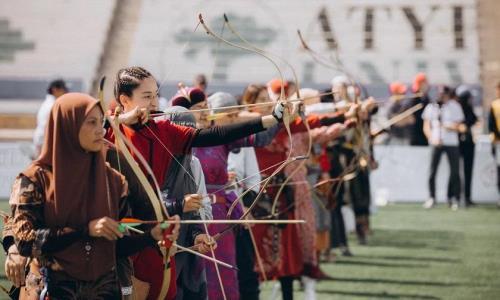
(274, 88)
(200, 81)
(494, 128)
(467, 145)
(188, 97)
(56, 89)
(399, 133)
(442, 121)
(420, 86)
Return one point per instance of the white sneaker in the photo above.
(430, 203)
(454, 204)
(309, 288)
(276, 291)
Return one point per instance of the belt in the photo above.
(215, 186)
(220, 199)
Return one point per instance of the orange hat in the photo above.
(417, 82)
(397, 88)
(275, 86)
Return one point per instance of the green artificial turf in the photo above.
(414, 254)
(419, 254)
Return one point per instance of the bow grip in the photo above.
(166, 231)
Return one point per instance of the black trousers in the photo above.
(453, 154)
(498, 178)
(286, 287)
(467, 153)
(494, 152)
(61, 286)
(248, 279)
(360, 193)
(338, 237)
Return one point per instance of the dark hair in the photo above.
(201, 79)
(127, 80)
(445, 90)
(327, 96)
(56, 84)
(251, 93)
(463, 95)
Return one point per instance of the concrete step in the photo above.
(17, 121)
(18, 113)
(11, 134)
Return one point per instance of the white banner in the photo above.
(403, 175)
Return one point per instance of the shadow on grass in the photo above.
(383, 295)
(414, 239)
(412, 258)
(398, 282)
(378, 264)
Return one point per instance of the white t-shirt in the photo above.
(320, 108)
(42, 118)
(448, 114)
(245, 165)
(206, 206)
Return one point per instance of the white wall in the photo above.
(14, 158)
(167, 26)
(403, 175)
(68, 37)
(69, 34)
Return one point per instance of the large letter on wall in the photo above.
(418, 27)
(369, 16)
(327, 29)
(458, 27)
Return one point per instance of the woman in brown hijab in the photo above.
(65, 205)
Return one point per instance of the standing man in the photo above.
(442, 122)
(56, 89)
(420, 86)
(399, 133)
(494, 128)
(467, 145)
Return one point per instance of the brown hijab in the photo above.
(79, 187)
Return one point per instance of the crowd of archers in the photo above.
(207, 198)
(210, 196)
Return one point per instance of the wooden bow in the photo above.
(154, 197)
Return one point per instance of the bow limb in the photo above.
(299, 166)
(215, 261)
(316, 56)
(286, 120)
(339, 66)
(255, 248)
(397, 118)
(286, 115)
(215, 264)
(262, 51)
(264, 183)
(210, 32)
(158, 207)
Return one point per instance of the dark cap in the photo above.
(56, 84)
